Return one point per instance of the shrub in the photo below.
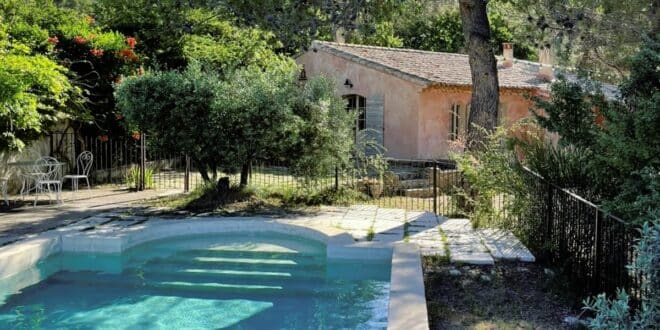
(616, 313)
(494, 179)
(133, 178)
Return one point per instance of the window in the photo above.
(455, 122)
(358, 104)
(501, 114)
(460, 119)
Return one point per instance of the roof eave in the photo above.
(424, 82)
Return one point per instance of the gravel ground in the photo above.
(503, 296)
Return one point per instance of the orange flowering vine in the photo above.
(131, 42)
(98, 52)
(80, 40)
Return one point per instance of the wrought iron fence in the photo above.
(591, 246)
(560, 227)
(425, 185)
(124, 161)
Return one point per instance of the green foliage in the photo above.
(133, 178)
(93, 57)
(253, 114)
(561, 165)
(157, 25)
(594, 35)
(620, 136)
(177, 110)
(297, 23)
(497, 188)
(616, 313)
(442, 31)
(226, 46)
(32, 89)
(254, 106)
(383, 35)
(570, 111)
(325, 134)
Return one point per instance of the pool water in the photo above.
(238, 281)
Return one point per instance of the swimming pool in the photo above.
(238, 280)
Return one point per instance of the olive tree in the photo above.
(176, 110)
(252, 114)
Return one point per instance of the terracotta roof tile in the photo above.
(431, 68)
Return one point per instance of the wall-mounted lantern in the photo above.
(303, 75)
(348, 83)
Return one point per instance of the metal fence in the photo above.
(424, 185)
(591, 246)
(124, 161)
(562, 228)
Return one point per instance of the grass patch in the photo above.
(262, 199)
(445, 243)
(406, 234)
(370, 234)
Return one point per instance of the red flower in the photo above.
(80, 40)
(128, 54)
(53, 40)
(98, 52)
(136, 135)
(104, 138)
(131, 42)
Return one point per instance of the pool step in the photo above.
(187, 286)
(252, 254)
(218, 287)
(231, 272)
(243, 261)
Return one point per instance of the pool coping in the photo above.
(407, 303)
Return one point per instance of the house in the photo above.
(417, 102)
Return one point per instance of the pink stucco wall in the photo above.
(416, 119)
(400, 97)
(435, 116)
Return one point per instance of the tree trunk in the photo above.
(245, 171)
(483, 67)
(201, 168)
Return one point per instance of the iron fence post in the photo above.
(435, 187)
(597, 238)
(549, 215)
(336, 178)
(143, 162)
(186, 176)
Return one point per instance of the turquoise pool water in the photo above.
(238, 281)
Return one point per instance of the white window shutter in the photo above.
(375, 122)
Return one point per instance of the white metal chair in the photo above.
(83, 166)
(3, 188)
(49, 170)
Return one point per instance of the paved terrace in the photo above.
(28, 221)
(437, 236)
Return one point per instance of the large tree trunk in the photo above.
(245, 172)
(483, 66)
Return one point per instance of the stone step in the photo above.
(414, 183)
(419, 192)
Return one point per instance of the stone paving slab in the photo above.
(396, 215)
(384, 226)
(464, 243)
(504, 245)
(478, 258)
